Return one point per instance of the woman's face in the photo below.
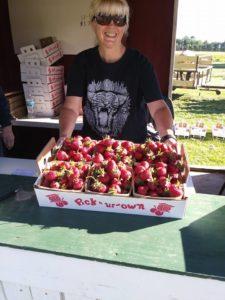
(109, 36)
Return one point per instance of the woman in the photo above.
(114, 85)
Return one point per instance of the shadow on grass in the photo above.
(176, 96)
(205, 106)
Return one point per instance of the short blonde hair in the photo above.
(110, 7)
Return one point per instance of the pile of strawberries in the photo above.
(111, 166)
(110, 177)
(65, 175)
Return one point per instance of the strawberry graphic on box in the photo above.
(160, 209)
(60, 202)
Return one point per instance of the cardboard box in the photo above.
(218, 130)
(159, 207)
(30, 52)
(50, 112)
(45, 79)
(42, 106)
(38, 70)
(19, 112)
(36, 88)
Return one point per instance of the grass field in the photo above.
(195, 105)
(218, 57)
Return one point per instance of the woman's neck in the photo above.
(111, 55)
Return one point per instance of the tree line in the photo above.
(191, 43)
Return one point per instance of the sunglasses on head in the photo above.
(107, 19)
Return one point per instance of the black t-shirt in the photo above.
(114, 94)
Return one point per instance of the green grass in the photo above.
(195, 105)
(218, 57)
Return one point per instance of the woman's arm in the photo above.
(69, 114)
(163, 119)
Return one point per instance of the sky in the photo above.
(203, 19)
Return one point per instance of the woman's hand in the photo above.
(8, 137)
(171, 142)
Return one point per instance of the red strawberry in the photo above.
(146, 175)
(142, 190)
(161, 171)
(145, 164)
(153, 194)
(172, 169)
(129, 146)
(55, 185)
(62, 155)
(108, 154)
(175, 191)
(104, 179)
(108, 142)
(138, 155)
(78, 184)
(152, 185)
(98, 187)
(77, 156)
(50, 175)
(115, 144)
(99, 148)
(152, 145)
(114, 189)
(139, 169)
(76, 172)
(125, 174)
(98, 158)
(76, 144)
(160, 164)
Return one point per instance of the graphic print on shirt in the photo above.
(107, 106)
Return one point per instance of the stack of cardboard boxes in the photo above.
(43, 82)
(17, 104)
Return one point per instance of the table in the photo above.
(52, 253)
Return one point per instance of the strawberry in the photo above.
(160, 164)
(172, 169)
(146, 175)
(78, 184)
(109, 154)
(50, 175)
(62, 155)
(138, 155)
(115, 144)
(98, 158)
(76, 144)
(76, 172)
(151, 145)
(153, 194)
(114, 189)
(125, 174)
(145, 164)
(104, 179)
(152, 185)
(139, 169)
(142, 190)
(161, 171)
(175, 191)
(129, 146)
(55, 185)
(98, 187)
(107, 141)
